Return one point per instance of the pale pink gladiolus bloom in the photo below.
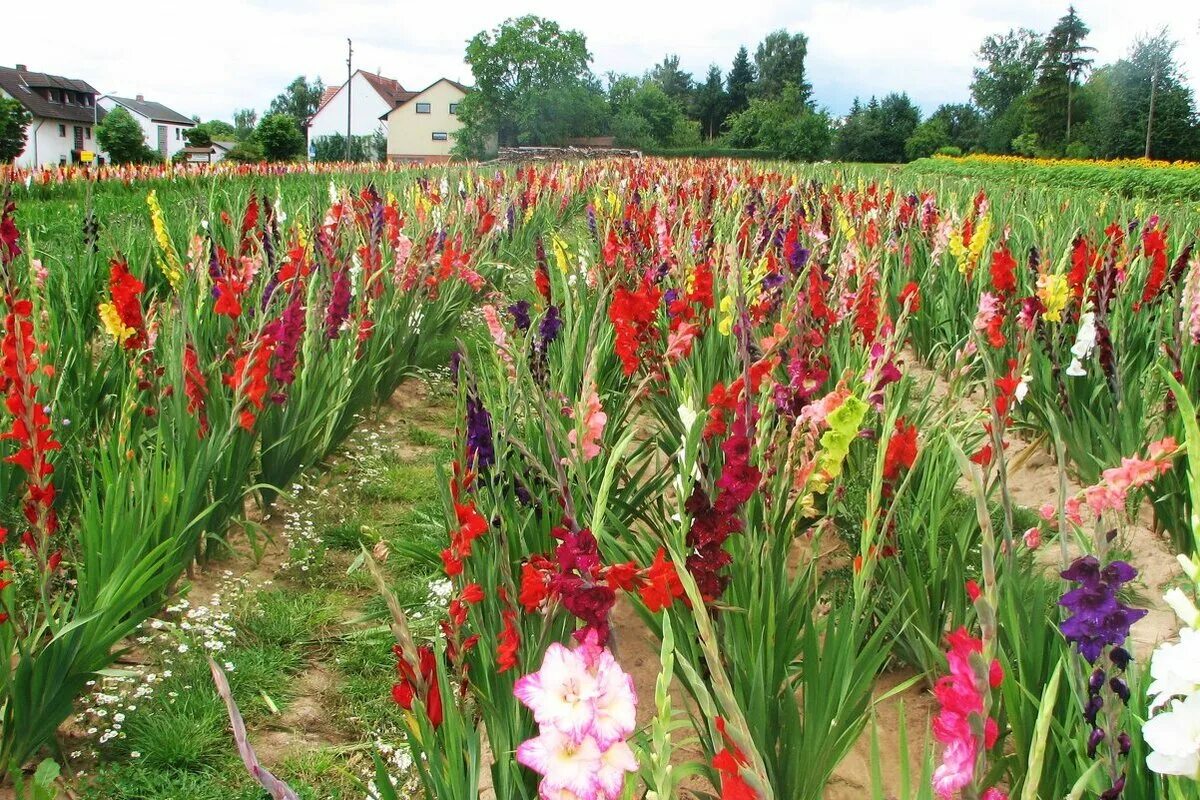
(562, 693)
(594, 420)
(563, 761)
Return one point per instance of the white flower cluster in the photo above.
(1174, 732)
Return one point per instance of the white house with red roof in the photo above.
(368, 96)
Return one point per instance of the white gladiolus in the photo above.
(1175, 669)
(1183, 606)
(1175, 739)
(1085, 341)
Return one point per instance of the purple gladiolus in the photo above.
(479, 434)
(1097, 618)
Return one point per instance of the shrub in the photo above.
(280, 137)
(119, 135)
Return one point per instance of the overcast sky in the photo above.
(210, 58)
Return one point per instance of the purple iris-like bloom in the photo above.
(1097, 618)
(339, 303)
(550, 326)
(479, 434)
(520, 312)
(456, 359)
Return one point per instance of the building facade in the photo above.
(163, 127)
(64, 113)
(421, 127)
(369, 97)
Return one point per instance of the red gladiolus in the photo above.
(126, 290)
(508, 643)
(729, 762)
(1083, 261)
(910, 297)
(411, 685)
(1004, 277)
(194, 387)
(30, 422)
(249, 379)
(1154, 245)
(663, 585)
(10, 237)
(901, 451)
(633, 314)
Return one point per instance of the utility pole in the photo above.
(1150, 117)
(349, 79)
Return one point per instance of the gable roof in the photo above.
(407, 96)
(389, 89)
(156, 112)
(21, 85)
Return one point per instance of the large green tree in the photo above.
(1122, 96)
(516, 66)
(878, 131)
(785, 125)
(677, 84)
(280, 137)
(646, 117)
(1064, 62)
(14, 119)
(740, 81)
(1001, 84)
(245, 120)
(119, 135)
(712, 103)
(779, 60)
(299, 100)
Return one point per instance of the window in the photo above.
(178, 134)
(424, 108)
(454, 108)
(440, 136)
(88, 133)
(62, 130)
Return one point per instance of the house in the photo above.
(208, 155)
(369, 97)
(162, 127)
(64, 115)
(421, 125)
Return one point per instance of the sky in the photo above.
(210, 58)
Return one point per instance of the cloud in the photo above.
(227, 54)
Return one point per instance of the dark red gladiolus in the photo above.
(194, 387)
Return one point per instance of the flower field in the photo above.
(758, 481)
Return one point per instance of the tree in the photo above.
(1064, 62)
(963, 124)
(646, 117)
(1142, 103)
(878, 131)
(198, 136)
(784, 125)
(245, 120)
(929, 137)
(362, 148)
(780, 60)
(299, 100)
(515, 64)
(280, 137)
(712, 103)
(14, 120)
(740, 81)
(119, 135)
(1010, 63)
(550, 115)
(1001, 86)
(247, 151)
(677, 84)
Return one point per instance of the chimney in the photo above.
(22, 68)
(140, 98)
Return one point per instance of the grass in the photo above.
(328, 616)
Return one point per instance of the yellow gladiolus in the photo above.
(113, 324)
(1054, 292)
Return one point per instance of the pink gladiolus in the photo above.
(594, 420)
(586, 708)
(961, 696)
(1033, 538)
